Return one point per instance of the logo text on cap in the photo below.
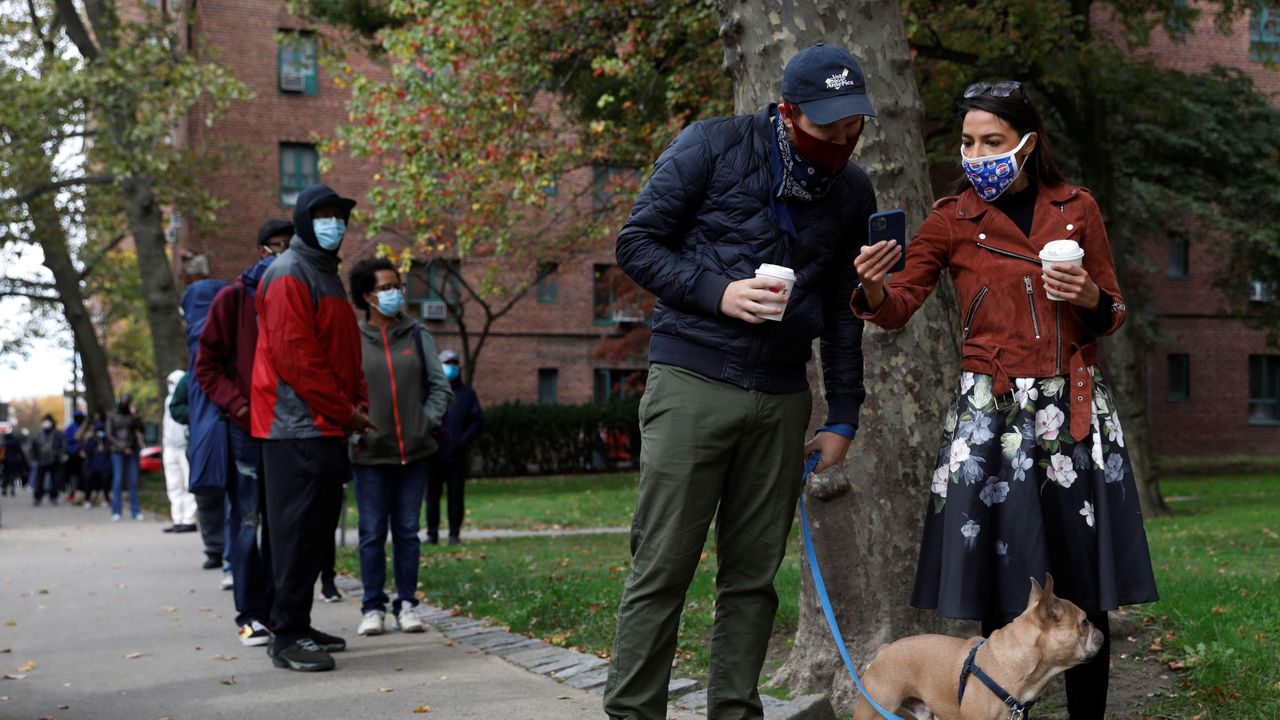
(835, 82)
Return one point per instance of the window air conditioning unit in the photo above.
(628, 315)
(435, 310)
(1258, 292)
(292, 82)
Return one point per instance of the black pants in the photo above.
(211, 511)
(48, 480)
(329, 553)
(442, 473)
(72, 478)
(1086, 684)
(304, 491)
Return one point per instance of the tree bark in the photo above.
(159, 295)
(866, 513)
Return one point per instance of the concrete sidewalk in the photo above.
(121, 623)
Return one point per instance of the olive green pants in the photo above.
(706, 445)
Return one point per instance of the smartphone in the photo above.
(889, 225)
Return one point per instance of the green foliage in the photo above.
(519, 438)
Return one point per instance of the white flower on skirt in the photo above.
(959, 453)
(995, 491)
(1087, 512)
(1021, 465)
(1114, 433)
(1025, 391)
(941, 478)
(1048, 421)
(1002, 548)
(1061, 470)
(966, 382)
(970, 532)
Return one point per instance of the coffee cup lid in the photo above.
(1061, 250)
(777, 271)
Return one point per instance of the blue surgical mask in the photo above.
(993, 174)
(389, 302)
(329, 232)
(451, 372)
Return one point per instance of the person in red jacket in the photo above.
(224, 369)
(308, 395)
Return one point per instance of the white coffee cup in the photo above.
(786, 277)
(1061, 252)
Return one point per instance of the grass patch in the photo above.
(566, 590)
(1217, 567)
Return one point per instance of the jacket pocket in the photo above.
(1031, 302)
(972, 313)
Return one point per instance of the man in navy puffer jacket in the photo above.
(727, 400)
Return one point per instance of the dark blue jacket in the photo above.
(462, 423)
(97, 456)
(209, 450)
(705, 219)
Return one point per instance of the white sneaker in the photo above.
(391, 624)
(254, 634)
(228, 582)
(409, 620)
(371, 624)
(115, 517)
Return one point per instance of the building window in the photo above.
(1179, 254)
(433, 288)
(608, 183)
(1259, 292)
(1264, 389)
(618, 384)
(548, 386)
(1264, 32)
(1179, 377)
(298, 67)
(615, 296)
(547, 288)
(297, 170)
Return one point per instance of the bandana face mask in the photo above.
(991, 175)
(827, 155)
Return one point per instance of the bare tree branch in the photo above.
(38, 26)
(92, 264)
(45, 187)
(75, 28)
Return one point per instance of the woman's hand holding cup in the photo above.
(1073, 284)
(873, 263)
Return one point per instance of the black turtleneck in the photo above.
(1020, 207)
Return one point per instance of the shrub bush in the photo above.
(522, 439)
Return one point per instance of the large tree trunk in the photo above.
(146, 223)
(866, 513)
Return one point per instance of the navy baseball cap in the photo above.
(825, 82)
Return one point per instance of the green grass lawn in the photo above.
(1218, 568)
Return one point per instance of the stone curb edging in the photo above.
(580, 670)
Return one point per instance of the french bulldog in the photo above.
(1050, 636)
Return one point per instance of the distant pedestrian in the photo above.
(124, 433)
(71, 477)
(448, 467)
(16, 465)
(50, 451)
(308, 397)
(408, 396)
(97, 462)
(224, 367)
(182, 504)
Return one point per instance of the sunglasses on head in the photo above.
(1000, 89)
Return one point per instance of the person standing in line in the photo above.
(72, 480)
(1033, 475)
(727, 399)
(224, 367)
(124, 433)
(182, 504)
(448, 466)
(308, 397)
(15, 464)
(408, 396)
(97, 461)
(50, 450)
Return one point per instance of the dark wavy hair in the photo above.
(1020, 112)
(363, 278)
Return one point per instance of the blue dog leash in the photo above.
(819, 586)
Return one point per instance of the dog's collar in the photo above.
(1017, 711)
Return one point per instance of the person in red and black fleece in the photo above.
(308, 396)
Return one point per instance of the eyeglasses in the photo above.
(388, 286)
(1000, 89)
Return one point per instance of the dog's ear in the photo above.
(1048, 584)
(1036, 591)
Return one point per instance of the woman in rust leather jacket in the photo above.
(1033, 475)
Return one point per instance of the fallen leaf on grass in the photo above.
(134, 655)
(224, 657)
(386, 689)
(422, 709)
(228, 681)
(27, 666)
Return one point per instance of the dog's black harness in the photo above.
(1017, 711)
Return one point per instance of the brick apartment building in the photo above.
(541, 351)
(1213, 384)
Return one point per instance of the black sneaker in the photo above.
(327, 642)
(171, 529)
(433, 538)
(185, 528)
(212, 561)
(302, 655)
(455, 540)
(329, 592)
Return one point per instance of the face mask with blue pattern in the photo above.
(991, 175)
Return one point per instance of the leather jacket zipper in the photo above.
(1057, 364)
(972, 312)
(1031, 300)
(1007, 253)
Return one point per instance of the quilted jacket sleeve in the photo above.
(650, 245)
(841, 345)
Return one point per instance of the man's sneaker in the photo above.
(254, 634)
(303, 655)
(329, 593)
(171, 529)
(139, 517)
(185, 528)
(228, 581)
(211, 560)
(409, 620)
(115, 517)
(371, 623)
(327, 642)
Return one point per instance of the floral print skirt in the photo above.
(1014, 495)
